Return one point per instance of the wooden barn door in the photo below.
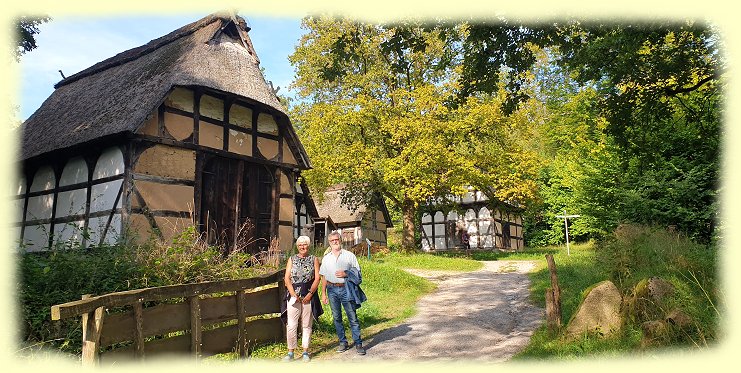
(236, 204)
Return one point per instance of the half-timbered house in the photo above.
(355, 225)
(183, 130)
(484, 222)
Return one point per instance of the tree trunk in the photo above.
(407, 236)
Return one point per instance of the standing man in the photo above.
(341, 278)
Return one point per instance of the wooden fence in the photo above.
(195, 319)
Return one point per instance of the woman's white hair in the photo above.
(303, 239)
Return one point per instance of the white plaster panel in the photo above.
(266, 124)
(268, 147)
(39, 207)
(110, 163)
(212, 107)
(211, 135)
(425, 245)
(470, 215)
(440, 243)
(36, 237)
(426, 218)
(240, 116)
(71, 202)
(288, 154)
(468, 197)
(43, 180)
(473, 240)
(17, 206)
(428, 230)
(97, 225)
(181, 98)
(68, 234)
(179, 126)
(285, 183)
(75, 172)
(240, 142)
(104, 195)
(440, 230)
(20, 186)
(15, 237)
(439, 217)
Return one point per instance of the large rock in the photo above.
(599, 312)
(648, 299)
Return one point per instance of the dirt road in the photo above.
(482, 316)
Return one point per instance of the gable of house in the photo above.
(181, 130)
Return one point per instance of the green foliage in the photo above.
(67, 272)
(25, 30)
(427, 261)
(632, 123)
(633, 253)
(376, 117)
(636, 252)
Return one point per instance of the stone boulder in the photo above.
(599, 312)
(679, 318)
(647, 301)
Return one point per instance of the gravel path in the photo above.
(482, 316)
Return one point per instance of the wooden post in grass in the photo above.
(553, 298)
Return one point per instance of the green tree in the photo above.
(659, 89)
(26, 28)
(376, 115)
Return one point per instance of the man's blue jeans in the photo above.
(338, 299)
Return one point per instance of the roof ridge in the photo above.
(152, 45)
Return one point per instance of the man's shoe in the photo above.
(360, 349)
(305, 357)
(288, 357)
(342, 347)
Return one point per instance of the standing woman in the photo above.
(302, 280)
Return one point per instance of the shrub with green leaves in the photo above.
(67, 272)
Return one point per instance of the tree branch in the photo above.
(674, 92)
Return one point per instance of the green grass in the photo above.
(427, 261)
(634, 253)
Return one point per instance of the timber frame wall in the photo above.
(502, 227)
(161, 183)
(200, 319)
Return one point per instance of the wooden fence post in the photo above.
(242, 324)
(553, 298)
(139, 323)
(196, 334)
(281, 295)
(92, 324)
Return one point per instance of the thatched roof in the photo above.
(116, 95)
(340, 214)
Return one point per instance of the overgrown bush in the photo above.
(65, 273)
(638, 252)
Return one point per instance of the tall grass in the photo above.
(65, 273)
(632, 254)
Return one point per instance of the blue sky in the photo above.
(72, 44)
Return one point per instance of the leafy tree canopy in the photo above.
(376, 116)
(26, 28)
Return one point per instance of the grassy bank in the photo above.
(633, 253)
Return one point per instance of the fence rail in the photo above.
(196, 319)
